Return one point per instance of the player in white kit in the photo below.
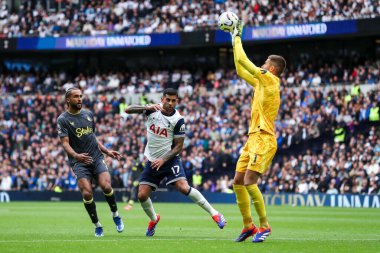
(166, 134)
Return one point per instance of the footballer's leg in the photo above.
(147, 205)
(175, 174)
(250, 180)
(85, 187)
(149, 181)
(263, 151)
(199, 199)
(244, 203)
(104, 180)
(242, 197)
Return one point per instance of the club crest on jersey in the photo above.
(159, 131)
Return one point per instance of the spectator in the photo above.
(31, 156)
(6, 182)
(120, 17)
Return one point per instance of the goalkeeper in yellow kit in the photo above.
(261, 145)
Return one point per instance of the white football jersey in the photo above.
(161, 131)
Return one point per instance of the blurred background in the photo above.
(126, 52)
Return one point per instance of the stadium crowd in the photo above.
(216, 106)
(307, 73)
(83, 17)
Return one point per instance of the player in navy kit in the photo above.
(76, 129)
(166, 134)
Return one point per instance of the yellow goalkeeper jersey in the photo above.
(266, 99)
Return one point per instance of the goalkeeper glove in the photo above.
(238, 31)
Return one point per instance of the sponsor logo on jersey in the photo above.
(83, 131)
(159, 131)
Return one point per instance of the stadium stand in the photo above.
(83, 17)
(33, 159)
(304, 74)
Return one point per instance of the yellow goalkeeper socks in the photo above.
(258, 202)
(244, 203)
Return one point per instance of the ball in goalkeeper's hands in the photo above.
(227, 21)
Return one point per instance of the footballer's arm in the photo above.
(83, 158)
(241, 58)
(111, 153)
(178, 146)
(142, 108)
(102, 148)
(243, 73)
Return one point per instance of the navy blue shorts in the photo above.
(171, 170)
(90, 171)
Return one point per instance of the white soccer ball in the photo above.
(227, 21)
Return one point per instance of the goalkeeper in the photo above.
(261, 146)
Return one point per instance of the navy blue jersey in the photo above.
(80, 128)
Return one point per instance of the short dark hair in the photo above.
(69, 90)
(279, 63)
(170, 92)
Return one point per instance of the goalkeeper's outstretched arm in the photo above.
(242, 60)
(243, 73)
(242, 63)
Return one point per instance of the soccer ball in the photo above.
(227, 21)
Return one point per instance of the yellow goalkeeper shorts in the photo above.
(257, 153)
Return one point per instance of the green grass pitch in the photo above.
(65, 227)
